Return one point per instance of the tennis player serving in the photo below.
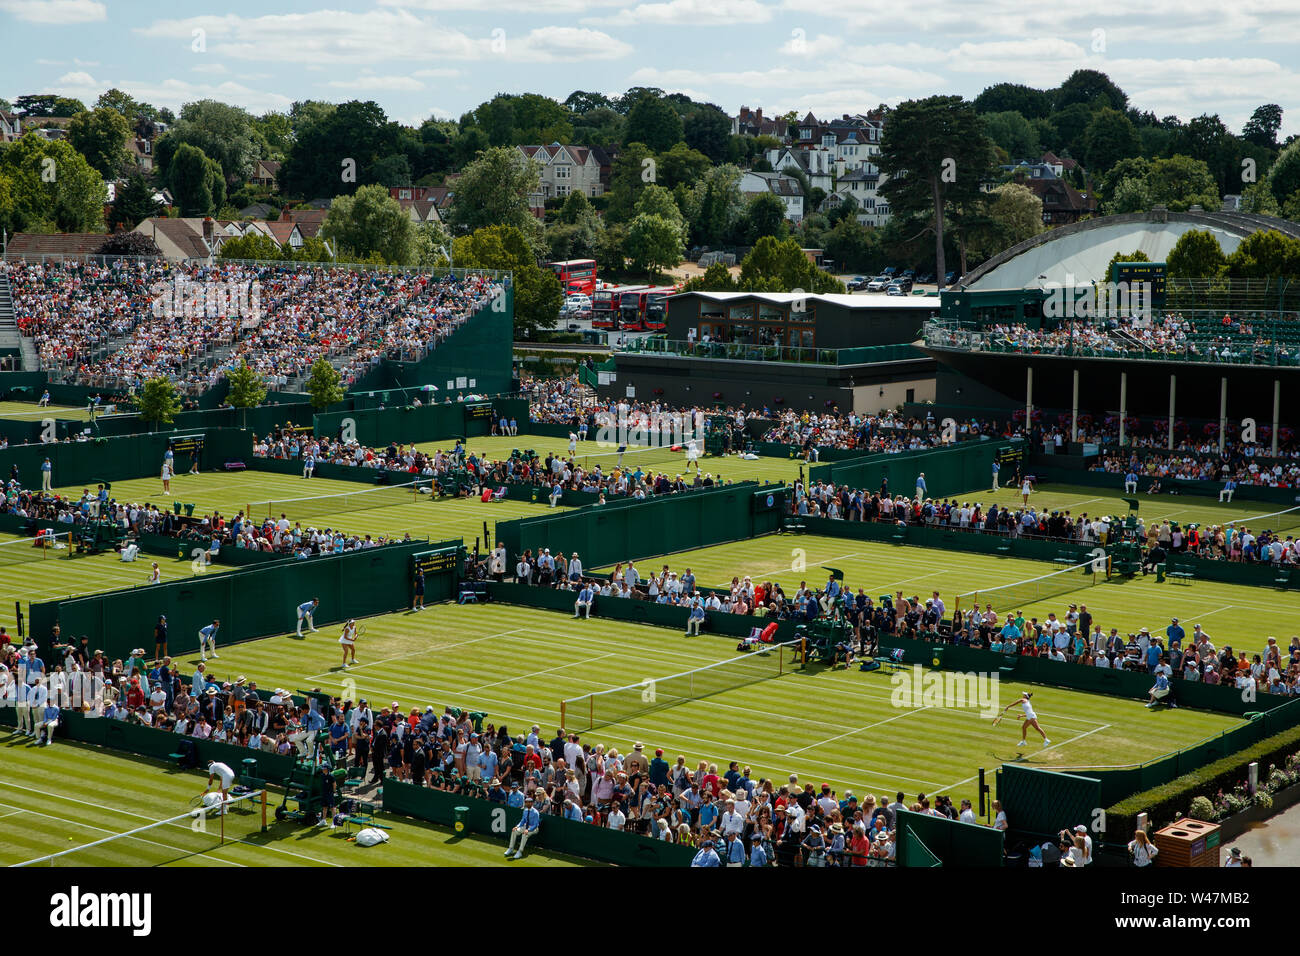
(1031, 719)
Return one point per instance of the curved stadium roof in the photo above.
(1083, 249)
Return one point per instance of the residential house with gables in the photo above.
(566, 169)
(783, 187)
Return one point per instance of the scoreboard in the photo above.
(1137, 275)
(187, 445)
(1011, 455)
(436, 562)
(479, 410)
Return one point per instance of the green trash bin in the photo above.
(189, 510)
(936, 655)
(461, 825)
(176, 507)
(250, 769)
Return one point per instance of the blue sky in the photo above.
(441, 57)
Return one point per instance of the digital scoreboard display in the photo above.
(435, 562)
(480, 410)
(1010, 456)
(187, 445)
(1141, 275)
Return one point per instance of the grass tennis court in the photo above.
(1078, 499)
(1228, 612)
(517, 663)
(61, 797)
(27, 411)
(232, 492)
(55, 575)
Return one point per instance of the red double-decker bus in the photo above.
(605, 305)
(644, 309)
(575, 275)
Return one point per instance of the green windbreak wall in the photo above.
(952, 470)
(1044, 802)
(408, 423)
(607, 534)
(251, 602)
(561, 836)
(1046, 470)
(953, 843)
(118, 459)
(949, 539)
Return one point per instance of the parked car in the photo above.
(909, 273)
(899, 287)
(949, 278)
(574, 327)
(879, 283)
(856, 283)
(890, 271)
(925, 277)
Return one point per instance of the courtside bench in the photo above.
(1179, 572)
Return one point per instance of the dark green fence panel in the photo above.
(250, 603)
(1044, 802)
(952, 470)
(561, 836)
(950, 842)
(119, 459)
(1047, 471)
(949, 539)
(606, 534)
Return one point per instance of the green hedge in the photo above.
(1163, 802)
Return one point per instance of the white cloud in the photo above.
(172, 93)
(437, 72)
(367, 83)
(59, 12)
(214, 68)
(533, 7)
(696, 13)
(561, 45)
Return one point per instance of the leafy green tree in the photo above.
(599, 127)
(853, 246)
(48, 104)
(654, 242)
(493, 190)
(133, 204)
(1012, 214)
(1284, 174)
(125, 105)
(765, 216)
(158, 401)
(708, 130)
(1265, 254)
(1029, 102)
(1181, 182)
(511, 119)
(1257, 199)
(100, 135)
(936, 155)
(721, 206)
(254, 245)
(1068, 127)
(1013, 133)
(781, 266)
(196, 182)
(1110, 137)
(247, 390)
(538, 298)
(371, 221)
(129, 244)
(223, 132)
(323, 386)
(50, 187)
(633, 169)
(335, 149)
(1261, 129)
(653, 121)
(1196, 255)
(1092, 88)
(681, 164)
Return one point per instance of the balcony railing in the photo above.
(1272, 344)
(744, 352)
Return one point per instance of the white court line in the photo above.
(11, 812)
(646, 731)
(141, 816)
(857, 731)
(87, 826)
(560, 667)
(815, 564)
(1043, 751)
(424, 650)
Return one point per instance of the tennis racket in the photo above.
(197, 801)
(997, 720)
(361, 630)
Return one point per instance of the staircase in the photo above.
(10, 340)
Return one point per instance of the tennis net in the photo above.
(1021, 594)
(1279, 522)
(657, 457)
(655, 693)
(325, 506)
(41, 548)
(164, 842)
